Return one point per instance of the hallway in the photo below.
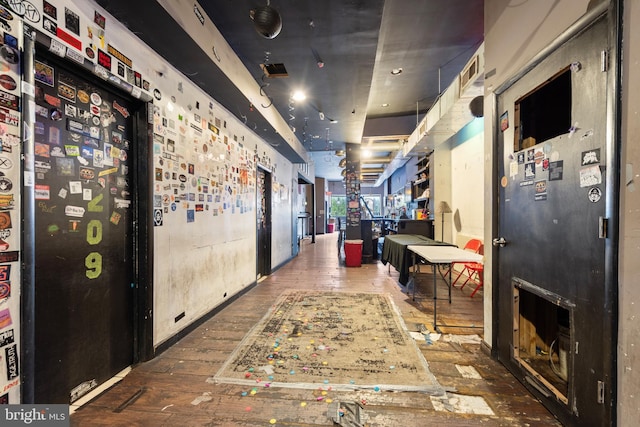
(175, 388)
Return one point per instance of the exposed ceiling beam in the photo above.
(376, 160)
(382, 146)
(371, 171)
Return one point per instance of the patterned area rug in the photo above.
(342, 340)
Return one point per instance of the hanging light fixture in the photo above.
(266, 20)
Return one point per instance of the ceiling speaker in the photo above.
(477, 106)
(267, 21)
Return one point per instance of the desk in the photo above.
(395, 252)
(440, 255)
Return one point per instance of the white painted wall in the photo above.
(467, 190)
(282, 203)
(441, 191)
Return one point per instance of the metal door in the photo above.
(553, 237)
(263, 256)
(83, 226)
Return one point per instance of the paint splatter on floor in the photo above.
(468, 372)
(343, 339)
(461, 404)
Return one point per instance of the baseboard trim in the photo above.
(485, 348)
(165, 345)
(98, 390)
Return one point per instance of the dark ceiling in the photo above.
(340, 52)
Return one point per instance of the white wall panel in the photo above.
(467, 188)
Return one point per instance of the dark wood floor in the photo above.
(162, 392)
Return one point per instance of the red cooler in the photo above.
(330, 228)
(353, 253)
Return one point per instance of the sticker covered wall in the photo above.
(203, 165)
(203, 171)
(197, 169)
(10, 196)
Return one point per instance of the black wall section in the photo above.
(558, 214)
(27, 293)
(142, 177)
(264, 222)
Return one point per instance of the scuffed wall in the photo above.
(204, 170)
(467, 190)
(10, 202)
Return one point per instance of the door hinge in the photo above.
(600, 392)
(604, 61)
(603, 227)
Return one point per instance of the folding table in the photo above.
(436, 256)
(395, 252)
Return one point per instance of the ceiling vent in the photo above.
(468, 75)
(423, 128)
(274, 70)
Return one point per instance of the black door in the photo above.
(83, 219)
(554, 310)
(264, 223)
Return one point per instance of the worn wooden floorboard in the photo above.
(178, 389)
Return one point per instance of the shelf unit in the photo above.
(420, 189)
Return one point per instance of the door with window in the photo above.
(555, 251)
(84, 233)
